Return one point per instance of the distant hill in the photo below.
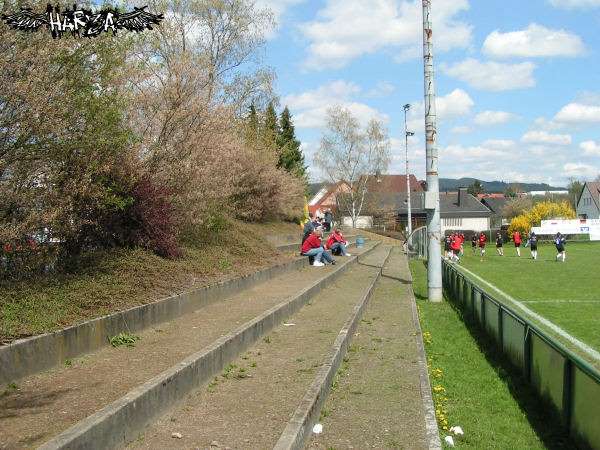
(450, 184)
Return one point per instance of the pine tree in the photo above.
(271, 125)
(252, 124)
(252, 118)
(291, 157)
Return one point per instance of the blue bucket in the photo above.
(360, 241)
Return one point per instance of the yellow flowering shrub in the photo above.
(541, 211)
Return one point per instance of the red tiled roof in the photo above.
(392, 184)
(383, 184)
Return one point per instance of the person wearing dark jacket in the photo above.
(309, 227)
(313, 246)
(533, 245)
(560, 241)
(499, 243)
(328, 220)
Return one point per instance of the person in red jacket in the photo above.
(482, 241)
(517, 240)
(312, 247)
(337, 243)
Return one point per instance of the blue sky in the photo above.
(518, 83)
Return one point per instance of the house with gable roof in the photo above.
(588, 204)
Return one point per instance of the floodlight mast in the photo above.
(406, 136)
(432, 201)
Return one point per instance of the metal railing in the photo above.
(416, 244)
(557, 374)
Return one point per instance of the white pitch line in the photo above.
(559, 301)
(584, 347)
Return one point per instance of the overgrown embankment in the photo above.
(107, 281)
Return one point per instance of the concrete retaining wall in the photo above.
(35, 354)
(123, 420)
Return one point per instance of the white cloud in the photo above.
(492, 76)
(580, 170)
(572, 4)
(382, 89)
(590, 148)
(311, 106)
(499, 144)
(578, 113)
(460, 153)
(455, 104)
(493, 117)
(463, 129)
(347, 29)
(543, 137)
(534, 41)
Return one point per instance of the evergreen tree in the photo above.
(252, 124)
(252, 118)
(291, 157)
(271, 125)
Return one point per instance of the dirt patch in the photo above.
(249, 405)
(375, 400)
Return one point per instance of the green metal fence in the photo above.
(559, 376)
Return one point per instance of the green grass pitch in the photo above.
(567, 294)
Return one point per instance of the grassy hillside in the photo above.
(110, 281)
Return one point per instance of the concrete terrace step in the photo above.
(111, 381)
(377, 401)
(38, 353)
(295, 246)
(249, 404)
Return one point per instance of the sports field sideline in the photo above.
(566, 294)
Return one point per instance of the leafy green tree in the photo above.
(290, 157)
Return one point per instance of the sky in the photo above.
(518, 82)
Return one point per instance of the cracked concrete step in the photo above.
(376, 401)
(249, 404)
(295, 246)
(48, 403)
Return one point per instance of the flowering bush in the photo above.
(541, 211)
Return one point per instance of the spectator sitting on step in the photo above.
(336, 243)
(309, 227)
(312, 247)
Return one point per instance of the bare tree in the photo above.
(516, 206)
(350, 155)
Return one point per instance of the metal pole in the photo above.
(434, 266)
(406, 135)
